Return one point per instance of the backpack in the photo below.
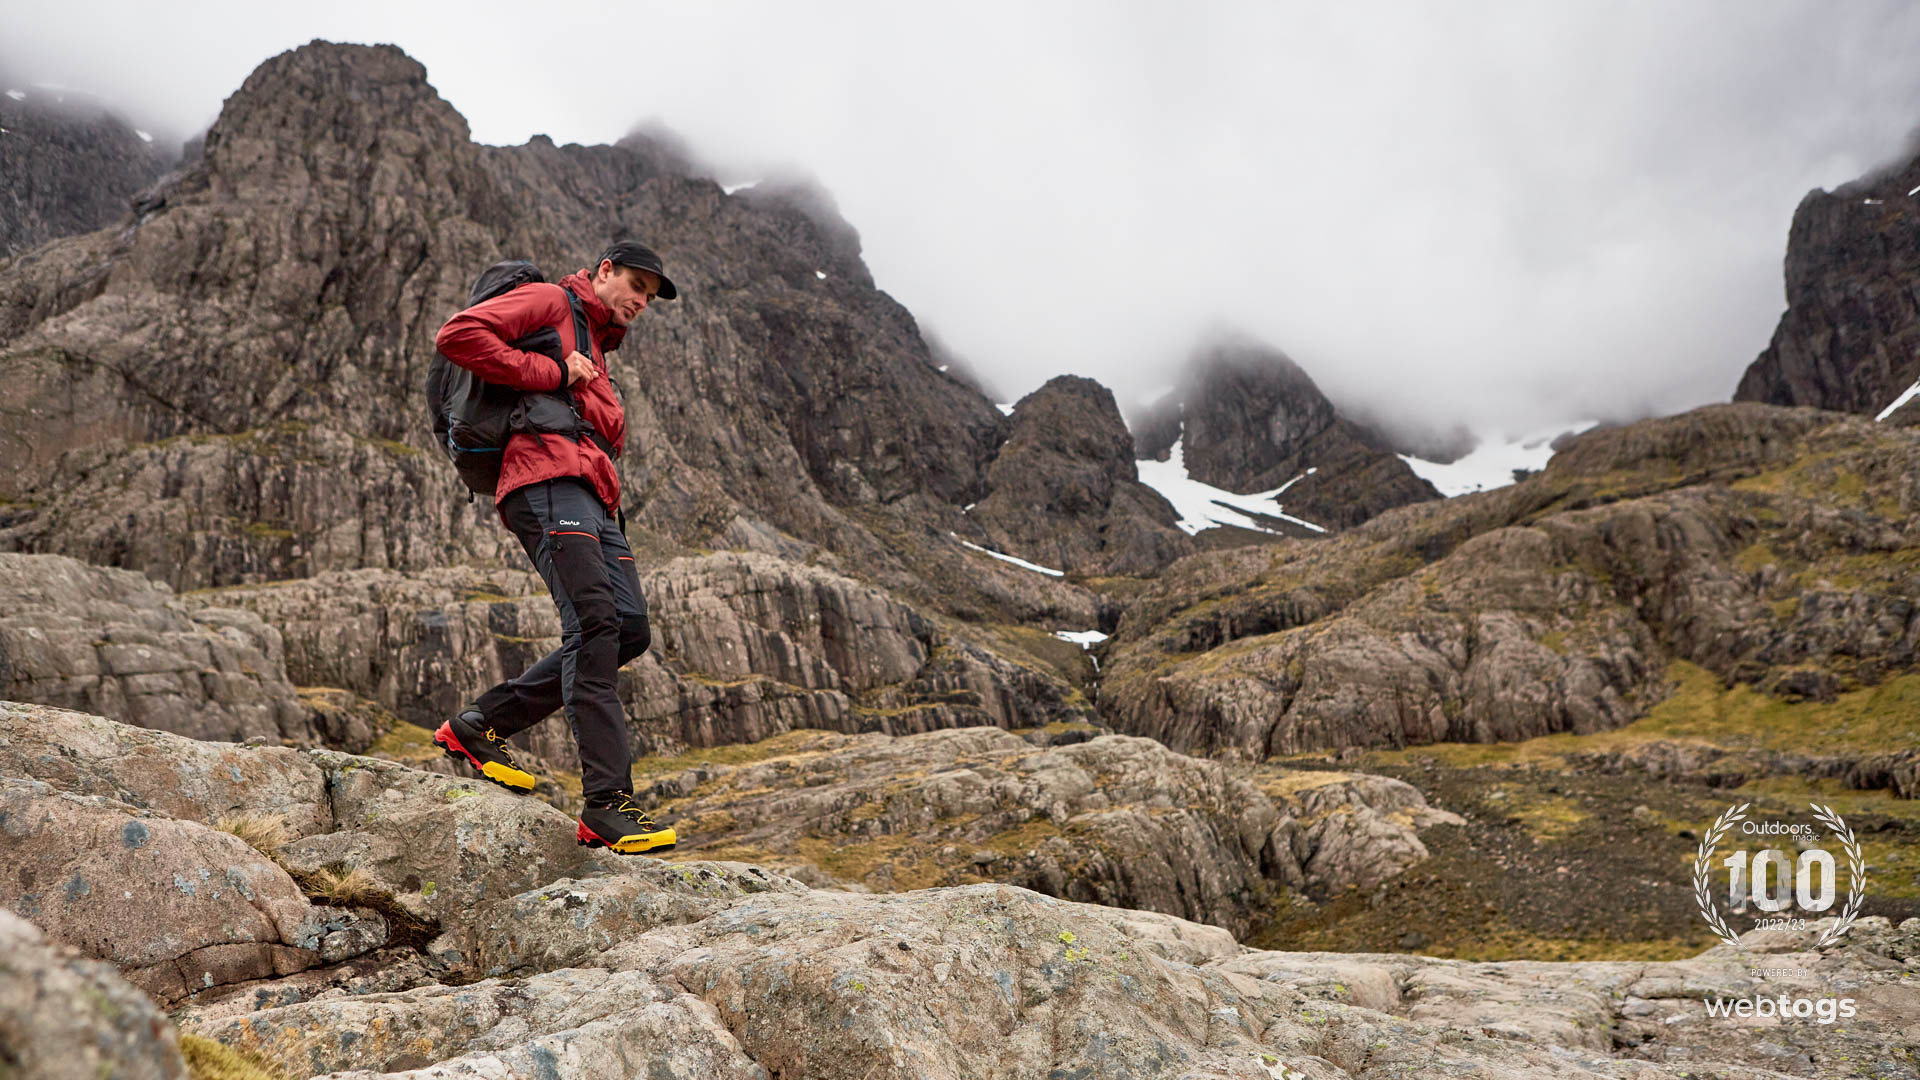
(472, 418)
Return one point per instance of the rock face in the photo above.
(228, 390)
(1850, 337)
(1117, 821)
(1252, 420)
(65, 1018)
(66, 167)
(744, 646)
(1063, 492)
(512, 952)
(1776, 556)
(113, 642)
(185, 908)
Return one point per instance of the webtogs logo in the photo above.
(1821, 1010)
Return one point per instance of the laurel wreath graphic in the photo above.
(1701, 895)
(1856, 867)
(1856, 873)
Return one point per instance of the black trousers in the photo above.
(583, 556)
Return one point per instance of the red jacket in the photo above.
(476, 339)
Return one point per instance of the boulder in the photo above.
(1117, 821)
(114, 642)
(67, 1018)
(177, 906)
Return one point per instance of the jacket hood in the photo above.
(598, 314)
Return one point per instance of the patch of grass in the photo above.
(1023, 839)
(348, 888)
(1700, 709)
(1065, 659)
(210, 1060)
(1497, 942)
(264, 833)
(1550, 818)
(406, 743)
(266, 530)
(1282, 784)
(795, 743)
(393, 448)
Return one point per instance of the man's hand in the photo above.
(579, 368)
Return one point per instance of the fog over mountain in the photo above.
(1502, 215)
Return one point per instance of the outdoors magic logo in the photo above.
(1779, 873)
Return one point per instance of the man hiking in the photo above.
(560, 495)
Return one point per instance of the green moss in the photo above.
(264, 530)
(786, 744)
(1865, 721)
(1555, 640)
(394, 448)
(210, 1060)
(405, 742)
(1754, 557)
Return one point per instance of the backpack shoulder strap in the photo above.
(583, 335)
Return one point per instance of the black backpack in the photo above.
(472, 418)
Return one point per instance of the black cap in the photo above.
(640, 257)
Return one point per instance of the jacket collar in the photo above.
(605, 332)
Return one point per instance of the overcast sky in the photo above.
(1503, 214)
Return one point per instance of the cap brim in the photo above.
(667, 291)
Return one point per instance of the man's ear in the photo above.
(600, 272)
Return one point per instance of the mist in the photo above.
(1498, 215)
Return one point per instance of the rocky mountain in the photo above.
(228, 390)
(1850, 337)
(1068, 464)
(1249, 419)
(67, 166)
(1773, 547)
(474, 939)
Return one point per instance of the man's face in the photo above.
(626, 290)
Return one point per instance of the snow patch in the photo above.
(1005, 409)
(1492, 461)
(1009, 558)
(144, 137)
(1915, 191)
(968, 507)
(1874, 202)
(821, 274)
(1905, 395)
(742, 186)
(943, 368)
(1086, 639)
(1203, 506)
(17, 95)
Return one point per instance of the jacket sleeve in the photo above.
(477, 339)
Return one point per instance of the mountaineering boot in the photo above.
(468, 737)
(623, 827)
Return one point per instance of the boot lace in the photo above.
(499, 743)
(626, 807)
